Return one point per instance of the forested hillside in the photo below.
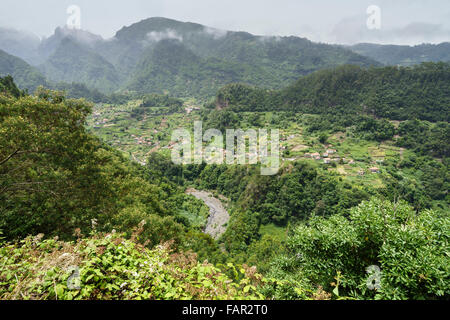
(20, 44)
(207, 58)
(160, 55)
(420, 92)
(93, 207)
(26, 76)
(73, 62)
(404, 55)
(67, 198)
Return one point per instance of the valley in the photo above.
(88, 177)
(218, 215)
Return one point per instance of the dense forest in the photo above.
(404, 55)
(396, 93)
(164, 56)
(68, 198)
(93, 207)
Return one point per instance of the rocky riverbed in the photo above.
(218, 215)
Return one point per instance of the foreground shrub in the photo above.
(410, 249)
(111, 267)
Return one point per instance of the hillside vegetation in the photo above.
(404, 55)
(359, 208)
(26, 76)
(159, 55)
(420, 92)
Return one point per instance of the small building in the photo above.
(331, 151)
(374, 170)
(325, 155)
(327, 160)
(314, 155)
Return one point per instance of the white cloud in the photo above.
(215, 33)
(156, 36)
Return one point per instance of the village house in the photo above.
(374, 170)
(316, 156)
(331, 151)
(327, 160)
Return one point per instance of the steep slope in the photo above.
(221, 56)
(26, 76)
(20, 44)
(170, 67)
(404, 55)
(421, 92)
(49, 45)
(74, 62)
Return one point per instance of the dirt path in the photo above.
(218, 216)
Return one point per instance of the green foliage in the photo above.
(55, 177)
(395, 93)
(26, 76)
(221, 120)
(422, 180)
(371, 129)
(205, 60)
(241, 230)
(411, 249)
(404, 55)
(74, 62)
(295, 192)
(113, 268)
(425, 138)
(76, 90)
(8, 87)
(154, 104)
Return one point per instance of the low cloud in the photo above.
(215, 33)
(269, 38)
(354, 30)
(79, 35)
(156, 36)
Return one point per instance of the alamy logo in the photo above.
(73, 282)
(239, 146)
(74, 20)
(374, 280)
(374, 19)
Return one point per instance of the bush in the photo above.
(111, 267)
(410, 249)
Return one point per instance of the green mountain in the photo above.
(398, 93)
(26, 76)
(170, 67)
(75, 62)
(404, 55)
(20, 44)
(176, 53)
(185, 59)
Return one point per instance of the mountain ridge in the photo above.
(135, 58)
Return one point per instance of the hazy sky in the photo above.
(332, 21)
